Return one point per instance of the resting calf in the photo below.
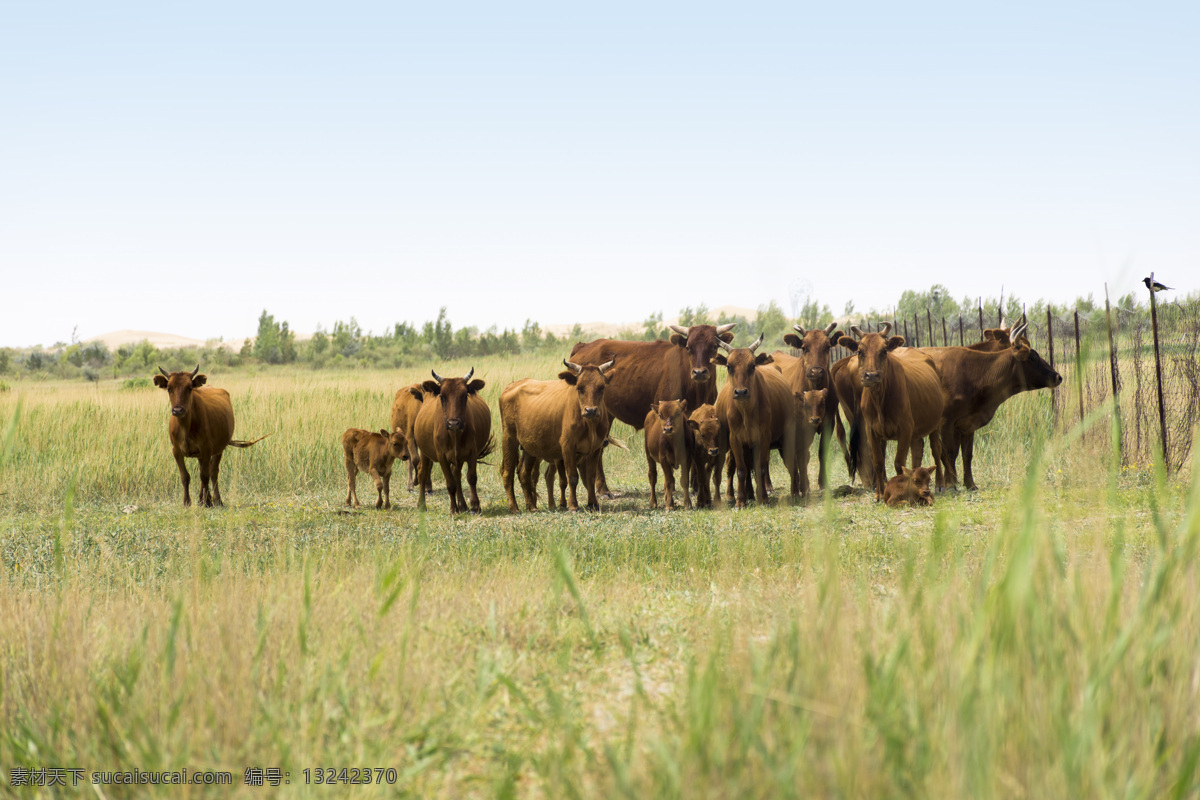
(911, 487)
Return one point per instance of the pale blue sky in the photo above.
(180, 167)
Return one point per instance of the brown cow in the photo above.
(901, 400)
(201, 427)
(976, 381)
(562, 420)
(911, 487)
(651, 371)
(707, 437)
(374, 454)
(453, 427)
(808, 372)
(405, 406)
(759, 411)
(668, 442)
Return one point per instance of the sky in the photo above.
(182, 167)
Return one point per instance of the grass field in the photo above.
(1038, 638)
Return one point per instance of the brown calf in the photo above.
(405, 406)
(201, 427)
(667, 444)
(707, 438)
(911, 488)
(453, 428)
(562, 420)
(374, 454)
(758, 409)
(809, 372)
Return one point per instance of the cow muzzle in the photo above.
(178, 411)
(454, 425)
(741, 394)
(871, 379)
(1056, 381)
(668, 428)
(816, 377)
(814, 421)
(700, 375)
(591, 412)
(712, 451)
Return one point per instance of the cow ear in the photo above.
(763, 358)
(894, 342)
(848, 342)
(907, 472)
(199, 380)
(726, 337)
(835, 336)
(386, 435)
(683, 405)
(160, 381)
(1022, 352)
(416, 392)
(792, 340)
(694, 425)
(679, 339)
(989, 335)
(432, 387)
(475, 386)
(568, 376)
(720, 359)
(654, 406)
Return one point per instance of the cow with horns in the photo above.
(758, 410)
(810, 372)
(564, 420)
(201, 427)
(453, 427)
(678, 369)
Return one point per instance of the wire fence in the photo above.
(1078, 347)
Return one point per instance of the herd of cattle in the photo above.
(887, 392)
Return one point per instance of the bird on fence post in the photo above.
(1155, 286)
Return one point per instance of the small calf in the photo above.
(912, 487)
(706, 450)
(667, 433)
(373, 453)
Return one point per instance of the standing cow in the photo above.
(810, 372)
(563, 420)
(201, 427)
(650, 371)
(453, 428)
(901, 400)
(759, 411)
(405, 407)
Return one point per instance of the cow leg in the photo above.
(422, 479)
(351, 481)
(378, 479)
(652, 475)
(528, 476)
(917, 448)
(453, 473)
(205, 477)
(387, 488)
(184, 478)
(730, 467)
(685, 477)
(509, 461)
(472, 478)
(744, 464)
(760, 457)
(216, 474)
(590, 467)
(669, 483)
(935, 446)
(561, 466)
(573, 478)
(551, 469)
(601, 479)
(878, 459)
(968, 454)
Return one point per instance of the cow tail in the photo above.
(856, 432)
(244, 443)
(488, 448)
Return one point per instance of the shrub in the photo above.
(136, 383)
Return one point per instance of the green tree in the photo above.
(652, 328)
(267, 345)
(697, 316)
(770, 322)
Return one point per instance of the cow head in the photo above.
(396, 443)
(1032, 370)
(589, 382)
(741, 363)
(179, 386)
(814, 405)
(872, 350)
(671, 414)
(701, 342)
(707, 432)
(453, 394)
(814, 347)
(921, 477)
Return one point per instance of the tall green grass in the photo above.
(1036, 638)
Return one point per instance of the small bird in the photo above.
(1155, 286)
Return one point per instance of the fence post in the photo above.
(1078, 366)
(960, 331)
(981, 318)
(945, 338)
(1112, 367)
(929, 322)
(1050, 344)
(1162, 413)
(917, 329)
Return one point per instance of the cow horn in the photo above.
(757, 342)
(887, 326)
(436, 377)
(856, 331)
(164, 372)
(572, 366)
(800, 330)
(1017, 332)
(682, 331)
(196, 371)
(470, 372)
(724, 345)
(606, 365)
(830, 328)
(726, 328)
